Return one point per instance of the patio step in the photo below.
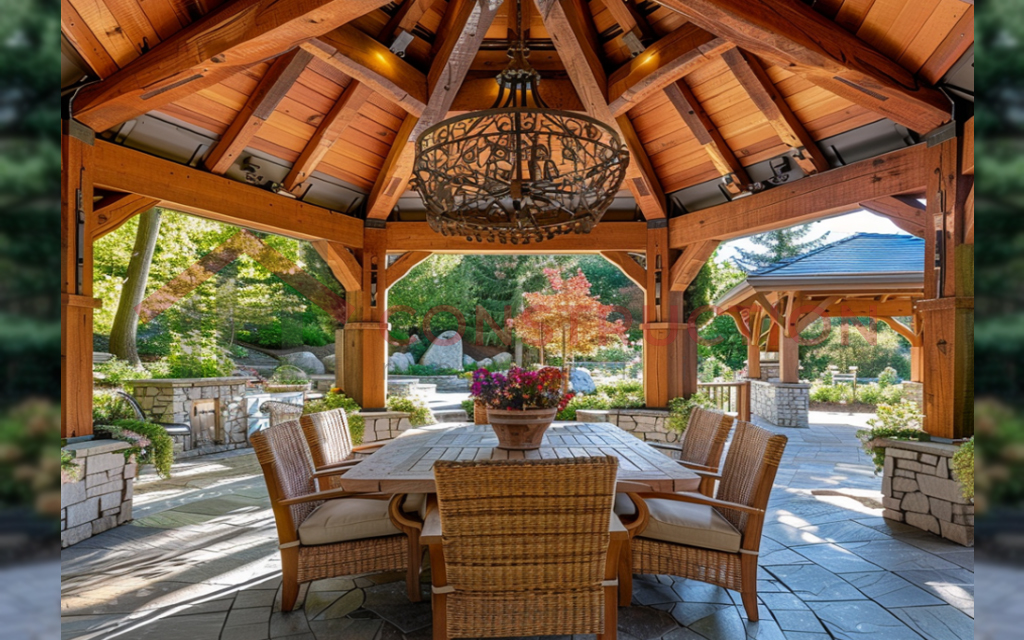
(453, 416)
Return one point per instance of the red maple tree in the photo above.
(568, 321)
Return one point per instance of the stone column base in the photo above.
(782, 404)
(101, 498)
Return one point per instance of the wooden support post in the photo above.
(77, 304)
(789, 347)
(670, 352)
(362, 356)
(947, 314)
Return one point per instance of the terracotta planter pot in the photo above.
(521, 430)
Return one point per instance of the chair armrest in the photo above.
(618, 530)
(334, 494)
(696, 498)
(431, 534)
(707, 474)
(363, 448)
(330, 472)
(345, 465)
(667, 447)
(693, 466)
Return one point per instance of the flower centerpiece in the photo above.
(521, 405)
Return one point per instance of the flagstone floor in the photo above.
(200, 563)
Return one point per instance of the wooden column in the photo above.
(789, 346)
(362, 360)
(947, 313)
(77, 304)
(670, 352)
(917, 356)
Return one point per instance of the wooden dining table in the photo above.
(406, 464)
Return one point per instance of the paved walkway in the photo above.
(200, 563)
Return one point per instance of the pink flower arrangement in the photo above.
(521, 390)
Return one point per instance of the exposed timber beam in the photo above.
(470, 20)
(795, 36)
(755, 81)
(206, 195)
(688, 265)
(85, 42)
(576, 45)
(332, 127)
(814, 197)
(674, 56)
(773, 312)
(405, 19)
(968, 149)
(815, 313)
(360, 56)
(608, 236)
(273, 87)
(403, 265)
(627, 265)
(343, 264)
(906, 213)
(704, 130)
(229, 39)
(115, 210)
(912, 336)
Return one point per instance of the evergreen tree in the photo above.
(779, 245)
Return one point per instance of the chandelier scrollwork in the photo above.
(519, 172)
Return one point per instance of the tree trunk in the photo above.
(126, 322)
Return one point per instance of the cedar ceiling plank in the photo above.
(163, 16)
(134, 23)
(104, 26)
(620, 14)
(853, 13)
(227, 40)
(769, 101)
(953, 46)
(358, 55)
(789, 33)
(708, 136)
(935, 31)
(470, 21)
(257, 110)
(85, 41)
(115, 210)
(330, 130)
(832, 192)
(204, 194)
(676, 55)
(902, 31)
(572, 39)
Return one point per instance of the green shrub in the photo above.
(469, 406)
(869, 394)
(431, 370)
(419, 349)
(681, 408)
(825, 393)
(963, 468)
(149, 443)
(583, 403)
(289, 375)
(198, 357)
(109, 408)
(115, 373)
(901, 421)
(338, 400)
(888, 377)
(399, 336)
(419, 412)
(313, 335)
(892, 395)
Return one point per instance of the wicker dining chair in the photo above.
(524, 548)
(703, 443)
(327, 534)
(713, 540)
(330, 441)
(281, 412)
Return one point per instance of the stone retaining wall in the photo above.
(650, 425)
(782, 404)
(384, 426)
(919, 489)
(101, 499)
(173, 400)
(444, 384)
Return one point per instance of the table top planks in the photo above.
(406, 464)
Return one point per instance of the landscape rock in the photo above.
(468, 361)
(581, 382)
(503, 359)
(414, 340)
(331, 363)
(400, 363)
(486, 363)
(306, 361)
(445, 353)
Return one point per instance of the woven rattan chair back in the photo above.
(288, 469)
(281, 412)
(526, 545)
(705, 437)
(329, 438)
(754, 454)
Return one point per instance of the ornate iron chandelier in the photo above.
(519, 172)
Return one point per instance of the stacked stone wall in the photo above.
(101, 497)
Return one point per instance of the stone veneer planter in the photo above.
(444, 384)
(650, 425)
(782, 404)
(383, 426)
(101, 499)
(919, 489)
(173, 401)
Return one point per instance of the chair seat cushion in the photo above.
(346, 520)
(693, 525)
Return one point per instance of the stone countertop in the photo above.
(941, 449)
(96, 447)
(193, 382)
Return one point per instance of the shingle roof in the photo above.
(863, 253)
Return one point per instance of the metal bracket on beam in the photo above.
(937, 136)
(661, 223)
(75, 129)
(375, 224)
(401, 43)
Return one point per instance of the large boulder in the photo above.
(305, 361)
(582, 383)
(486, 363)
(400, 363)
(468, 361)
(445, 353)
(331, 363)
(503, 360)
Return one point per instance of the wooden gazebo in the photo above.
(299, 117)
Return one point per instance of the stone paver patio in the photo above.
(200, 563)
